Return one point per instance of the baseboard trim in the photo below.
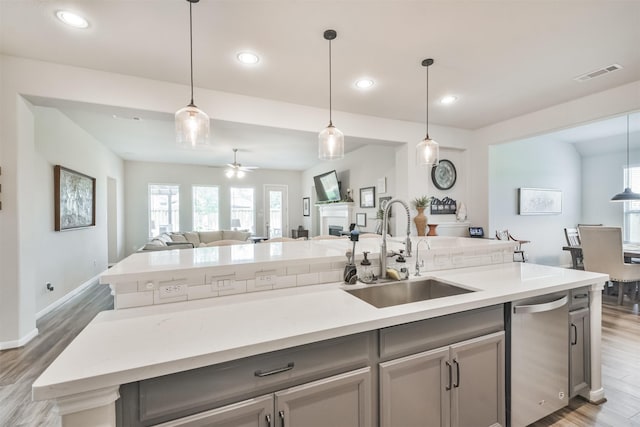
(67, 297)
(19, 343)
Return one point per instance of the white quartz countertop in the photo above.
(123, 346)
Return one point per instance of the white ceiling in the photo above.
(502, 58)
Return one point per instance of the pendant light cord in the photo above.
(330, 116)
(427, 103)
(628, 182)
(191, 47)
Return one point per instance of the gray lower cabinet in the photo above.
(458, 385)
(342, 401)
(579, 365)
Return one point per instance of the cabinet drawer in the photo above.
(578, 298)
(192, 391)
(440, 331)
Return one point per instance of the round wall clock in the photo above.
(444, 175)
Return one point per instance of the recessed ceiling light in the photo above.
(448, 99)
(72, 19)
(248, 58)
(364, 83)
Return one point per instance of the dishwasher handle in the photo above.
(540, 308)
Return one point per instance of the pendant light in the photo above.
(192, 124)
(627, 194)
(427, 151)
(330, 140)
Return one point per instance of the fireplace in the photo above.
(335, 230)
(335, 214)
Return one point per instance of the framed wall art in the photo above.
(361, 219)
(539, 201)
(368, 197)
(306, 206)
(74, 199)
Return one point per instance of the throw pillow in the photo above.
(192, 237)
(179, 238)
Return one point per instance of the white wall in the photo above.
(613, 102)
(602, 177)
(535, 165)
(140, 174)
(67, 259)
(358, 169)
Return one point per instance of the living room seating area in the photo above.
(193, 239)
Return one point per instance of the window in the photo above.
(243, 208)
(631, 228)
(164, 208)
(205, 208)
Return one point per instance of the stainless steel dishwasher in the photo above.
(539, 359)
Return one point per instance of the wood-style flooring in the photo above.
(20, 367)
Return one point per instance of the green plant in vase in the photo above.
(420, 204)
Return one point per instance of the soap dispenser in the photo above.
(366, 271)
(401, 266)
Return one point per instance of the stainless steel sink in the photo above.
(404, 292)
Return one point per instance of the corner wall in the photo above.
(535, 165)
(68, 259)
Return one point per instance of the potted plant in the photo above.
(420, 204)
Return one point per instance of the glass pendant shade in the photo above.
(330, 144)
(192, 126)
(427, 152)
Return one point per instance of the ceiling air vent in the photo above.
(597, 73)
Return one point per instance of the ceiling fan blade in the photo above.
(231, 165)
(250, 167)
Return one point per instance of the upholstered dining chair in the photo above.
(505, 235)
(603, 253)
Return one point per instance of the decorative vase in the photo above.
(420, 221)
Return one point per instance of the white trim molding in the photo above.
(19, 343)
(57, 303)
(66, 405)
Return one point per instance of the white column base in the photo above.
(94, 408)
(595, 394)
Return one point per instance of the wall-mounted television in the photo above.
(327, 187)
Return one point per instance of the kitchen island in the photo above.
(135, 344)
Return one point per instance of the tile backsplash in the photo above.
(214, 282)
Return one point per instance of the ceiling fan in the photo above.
(236, 169)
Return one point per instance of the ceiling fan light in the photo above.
(330, 144)
(427, 152)
(229, 173)
(240, 173)
(192, 126)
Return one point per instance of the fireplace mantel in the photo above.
(340, 213)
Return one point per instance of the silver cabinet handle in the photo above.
(268, 418)
(574, 341)
(260, 373)
(448, 386)
(580, 296)
(540, 308)
(457, 383)
(281, 414)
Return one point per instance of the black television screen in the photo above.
(327, 187)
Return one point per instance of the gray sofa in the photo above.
(193, 239)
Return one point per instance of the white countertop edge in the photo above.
(45, 388)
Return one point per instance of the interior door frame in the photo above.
(285, 207)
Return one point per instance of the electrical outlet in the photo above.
(170, 291)
(264, 279)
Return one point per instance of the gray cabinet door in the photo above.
(339, 401)
(257, 412)
(413, 390)
(478, 391)
(579, 361)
